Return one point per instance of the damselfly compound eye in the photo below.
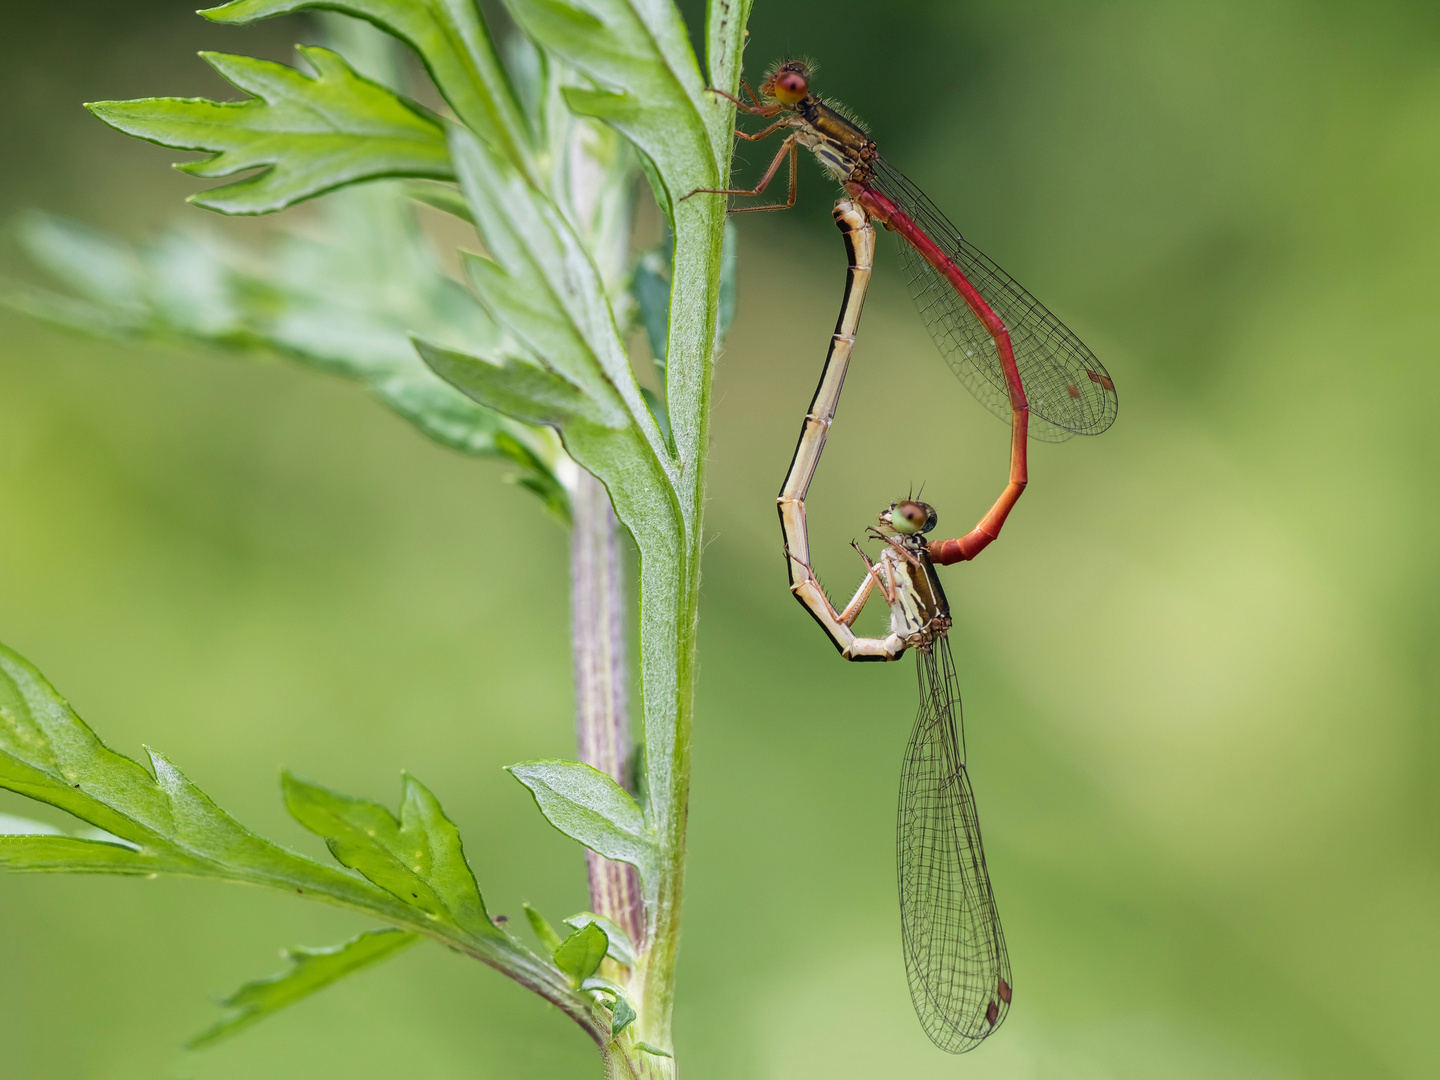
(912, 517)
(790, 83)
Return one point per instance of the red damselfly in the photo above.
(1005, 346)
(955, 956)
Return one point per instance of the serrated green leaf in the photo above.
(622, 949)
(430, 844)
(580, 954)
(310, 135)
(544, 932)
(47, 753)
(453, 43)
(588, 806)
(310, 970)
(165, 825)
(417, 857)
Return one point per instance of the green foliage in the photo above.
(647, 82)
(309, 135)
(343, 302)
(539, 363)
(415, 874)
(310, 970)
(588, 806)
(454, 45)
(622, 949)
(622, 1015)
(544, 932)
(160, 822)
(417, 858)
(580, 954)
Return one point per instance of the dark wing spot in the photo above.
(1003, 989)
(991, 1012)
(1073, 390)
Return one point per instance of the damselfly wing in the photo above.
(1069, 390)
(955, 956)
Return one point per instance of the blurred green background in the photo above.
(1200, 670)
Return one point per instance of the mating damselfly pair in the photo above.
(1020, 362)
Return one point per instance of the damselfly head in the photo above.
(788, 83)
(908, 517)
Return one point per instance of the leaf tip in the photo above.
(216, 13)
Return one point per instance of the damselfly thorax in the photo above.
(842, 148)
(919, 611)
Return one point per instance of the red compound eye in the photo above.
(789, 84)
(791, 87)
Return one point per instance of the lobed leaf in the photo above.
(417, 858)
(418, 878)
(47, 753)
(587, 805)
(308, 135)
(310, 970)
(453, 43)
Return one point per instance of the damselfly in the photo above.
(994, 335)
(955, 958)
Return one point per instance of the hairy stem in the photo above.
(602, 706)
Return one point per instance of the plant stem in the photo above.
(602, 713)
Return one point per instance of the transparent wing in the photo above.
(1070, 391)
(955, 954)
